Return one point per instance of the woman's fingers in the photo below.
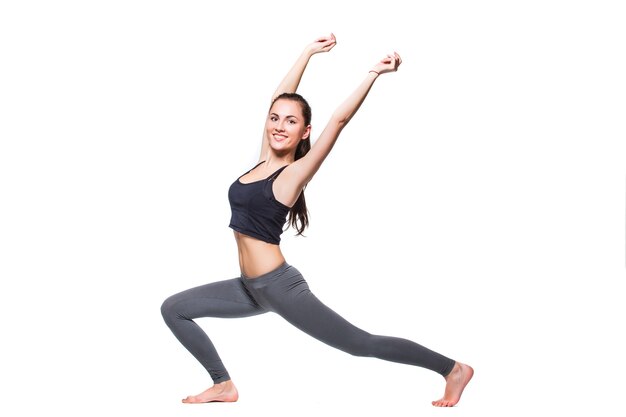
(398, 58)
(326, 43)
(330, 38)
(390, 62)
(394, 59)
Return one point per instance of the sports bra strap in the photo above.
(251, 169)
(277, 173)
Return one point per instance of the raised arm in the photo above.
(304, 168)
(290, 83)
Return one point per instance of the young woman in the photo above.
(261, 200)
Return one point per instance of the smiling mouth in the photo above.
(279, 138)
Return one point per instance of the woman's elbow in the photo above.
(339, 121)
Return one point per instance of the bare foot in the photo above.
(456, 381)
(222, 392)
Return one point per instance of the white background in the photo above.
(475, 204)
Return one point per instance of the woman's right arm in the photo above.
(290, 83)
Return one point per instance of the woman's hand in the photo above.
(323, 44)
(390, 63)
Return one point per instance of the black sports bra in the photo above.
(254, 209)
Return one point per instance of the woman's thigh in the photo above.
(223, 299)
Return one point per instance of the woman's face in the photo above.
(285, 126)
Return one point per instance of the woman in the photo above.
(260, 201)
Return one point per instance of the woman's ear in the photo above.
(307, 133)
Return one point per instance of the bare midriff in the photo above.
(257, 257)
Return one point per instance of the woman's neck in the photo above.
(272, 159)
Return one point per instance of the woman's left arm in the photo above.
(305, 168)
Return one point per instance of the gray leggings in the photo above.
(285, 292)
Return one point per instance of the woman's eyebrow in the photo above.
(289, 115)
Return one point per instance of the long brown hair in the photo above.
(298, 214)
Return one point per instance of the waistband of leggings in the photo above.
(268, 275)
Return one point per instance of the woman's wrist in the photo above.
(307, 52)
(376, 73)
(311, 50)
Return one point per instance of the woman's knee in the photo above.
(365, 346)
(168, 309)
(357, 344)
